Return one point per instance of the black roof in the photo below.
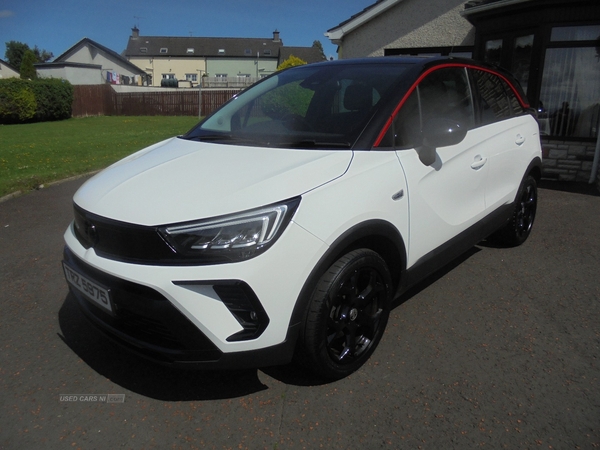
(203, 46)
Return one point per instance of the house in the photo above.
(8, 71)
(218, 61)
(410, 27)
(551, 46)
(88, 62)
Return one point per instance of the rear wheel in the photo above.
(518, 229)
(347, 314)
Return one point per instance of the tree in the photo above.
(291, 62)
(27, 70)
(16, 50)
(317, 44)
(42, 55)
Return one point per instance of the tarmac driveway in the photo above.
(499, 350)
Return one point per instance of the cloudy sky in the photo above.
(57, 25)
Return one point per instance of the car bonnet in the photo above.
(179, 180)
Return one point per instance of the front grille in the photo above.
(121, 241)
(144, 320)
(126, 242)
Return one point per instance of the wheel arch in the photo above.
(535, 169)
(377, 235)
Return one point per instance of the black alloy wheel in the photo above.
(348, 313)
(518, 229)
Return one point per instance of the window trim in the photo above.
(389, 122)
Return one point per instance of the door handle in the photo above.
(478, 163)
(519, 139)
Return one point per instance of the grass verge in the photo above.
(39, 153)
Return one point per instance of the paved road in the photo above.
(500, 350)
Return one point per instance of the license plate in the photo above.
(91, 290)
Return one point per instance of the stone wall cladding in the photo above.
(568, 161)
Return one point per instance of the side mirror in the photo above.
(439, 132)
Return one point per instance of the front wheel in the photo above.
(518, 229)
(347, 314)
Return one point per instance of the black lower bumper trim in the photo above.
(147, 324)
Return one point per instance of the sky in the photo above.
(57, 25)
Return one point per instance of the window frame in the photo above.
(386, 137)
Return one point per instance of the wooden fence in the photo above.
(103, 100)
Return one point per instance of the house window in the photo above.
(144, 50)
(190, 51)
(168, 76)
(570, 89)
(221, 75)
(267, 52)
(583, 33)
(459, 51)
(164, 50)
(248, 52)
(221, 51)
(493, 51)
(191, 77)
(521, 59)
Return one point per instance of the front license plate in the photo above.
(91, 290)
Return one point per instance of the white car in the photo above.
(285, 223)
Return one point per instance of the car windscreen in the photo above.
(320, 106)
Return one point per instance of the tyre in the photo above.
(347, 314)
(518, 229)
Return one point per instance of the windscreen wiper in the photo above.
(311, 143)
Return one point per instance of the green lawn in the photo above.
(34, 154)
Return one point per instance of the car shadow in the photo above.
(160, 382)
(431, 279)
(144, 377)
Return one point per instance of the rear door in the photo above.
(506, 132)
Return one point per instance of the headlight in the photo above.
(231, 238)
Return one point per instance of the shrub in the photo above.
(54, 99)
(34, 101)
(17, 101)
(169, 82)
(292, 61)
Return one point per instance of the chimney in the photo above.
(135, 32)
(275, 36)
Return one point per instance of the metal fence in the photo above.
(103, 100)
(228, 82)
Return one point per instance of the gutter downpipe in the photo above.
(596, 159)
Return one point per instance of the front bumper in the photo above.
(187, 316)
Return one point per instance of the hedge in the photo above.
(23, 101)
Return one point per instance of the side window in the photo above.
(407, 124)
(443, 93)
(493, 104)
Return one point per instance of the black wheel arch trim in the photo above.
(373, 234)
(534, 169)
